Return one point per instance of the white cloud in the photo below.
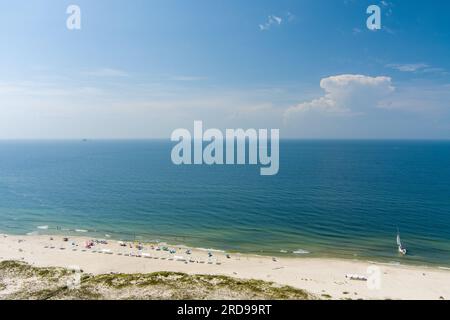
(277, 19)
(69, 109)
(412, 67)
(40, 89)
(271, 21)
(419, 68)
(187, 78)
(346, 94)
(105, 72)
(420, 98)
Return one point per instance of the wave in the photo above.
(43, 227)
(300, 251)
(390, 263)
(211, 250)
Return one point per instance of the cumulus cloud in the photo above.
(346, 94)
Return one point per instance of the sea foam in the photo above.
(300, 251)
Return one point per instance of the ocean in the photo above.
(342, 199)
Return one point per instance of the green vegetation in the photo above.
(19, 280)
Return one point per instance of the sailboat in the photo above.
(401, 249)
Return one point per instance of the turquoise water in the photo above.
(330, 198)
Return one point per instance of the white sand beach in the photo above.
(325, 278)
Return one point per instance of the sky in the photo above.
(143, 68)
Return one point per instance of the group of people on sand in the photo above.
(89, 244)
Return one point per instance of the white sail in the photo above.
(399, 243)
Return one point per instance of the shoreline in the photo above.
(103, 234)
(322, 277)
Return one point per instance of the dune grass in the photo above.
(19, 280)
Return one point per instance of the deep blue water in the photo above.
(331, 198)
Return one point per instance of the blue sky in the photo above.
(141, 69)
